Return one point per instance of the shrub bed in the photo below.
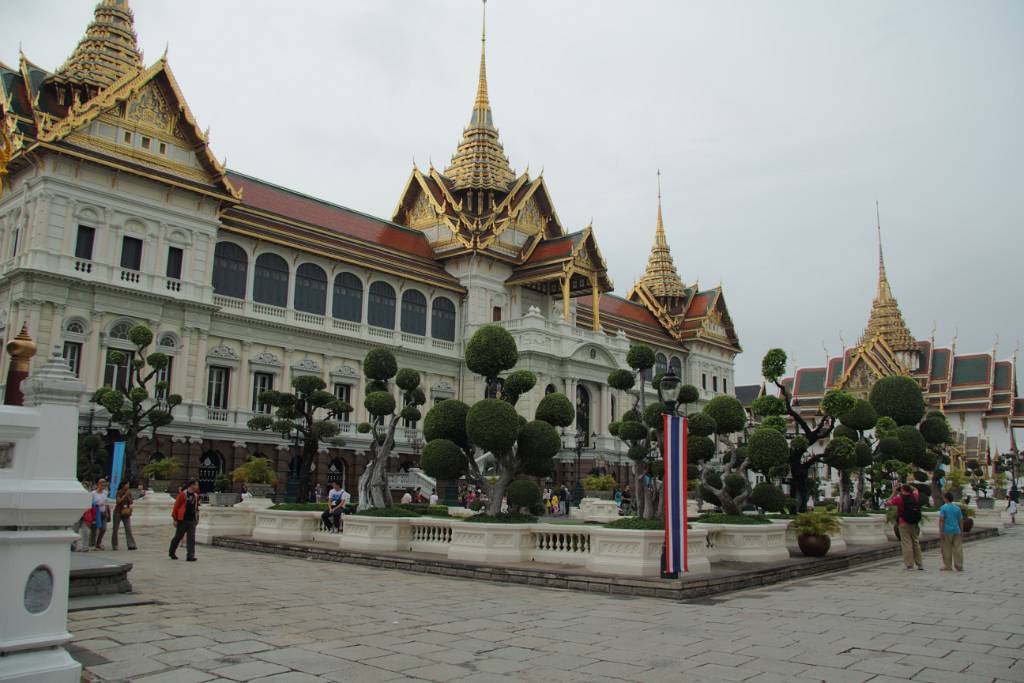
(510, 518)
(637, 523)
(299, 507)
(733, 519)
(424, 510)
(387, 512)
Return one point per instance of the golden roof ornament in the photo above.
(109, 49)
(480, 161)
(6, 152)
(886, 320)
(21, 349)
(661, 276)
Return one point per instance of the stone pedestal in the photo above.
(40, 498)
(152, 510)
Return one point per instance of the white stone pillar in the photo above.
(35, 557)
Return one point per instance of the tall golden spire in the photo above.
(661, 276)
(480, 162)
(109, 49)
(886, 320)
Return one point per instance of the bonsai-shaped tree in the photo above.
(978, 481)
(731, 486)
(311, 412)
(850, 451)
(131, 409)
(455, 432)
(802, 459)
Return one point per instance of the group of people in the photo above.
(556, 501)
(416, 496)
(92, 525)
(908, 528)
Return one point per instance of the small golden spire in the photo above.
(661, 276)
(109, 49)
(886, 320)
(21, 350)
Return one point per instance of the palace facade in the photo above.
(116, 212)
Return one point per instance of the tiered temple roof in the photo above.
(886, 320)
(109, 50)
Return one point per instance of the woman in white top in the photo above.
(100, 510)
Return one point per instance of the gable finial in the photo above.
(842, 343)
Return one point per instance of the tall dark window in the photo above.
(442, 319)
(310, 289)
(116, 374)
(704, 381)
(714, 383)
(230, 270)
(164, 375)
(343, 392)
(217, 388)
(414, 312)
(73, 355)
(270, 284)
(175, 256)
(348, 298)
(84, 241)
(14, 241)
(660, 364)
(131, 253)
(261, 381)
(725, 386)
(583, 413)
(496, 314)
(381, 311)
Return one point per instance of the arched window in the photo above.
(442, 319)
(348, 298)
(583, 413)
(381, 311)
(75, 327)
(270, 285)
(414, 312)
(660, 364)
(311, 289)
(549, 389)
(168, 341)
(120, 330)
(230, 269)
(336, 472)
(677, 367)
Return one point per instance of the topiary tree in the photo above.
(729, 418)
(493, 427)
(802, 459)
(144, 403)
(310, 411)
(898, 397)
(768, 497)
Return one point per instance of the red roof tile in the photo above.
(613, 305)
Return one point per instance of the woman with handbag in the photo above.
(123, 516)
(101, 513)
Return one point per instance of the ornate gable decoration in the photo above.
(149, 108)
(872, 361)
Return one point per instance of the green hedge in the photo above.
(733, 519)
(387, 512)
(511, 518)
(300, 507)
(637, 523)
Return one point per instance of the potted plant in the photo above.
(159, 473)
(968, 517)
(599, 485)
(222, 494)
(257, 474)
(812, 532)
(955, 481)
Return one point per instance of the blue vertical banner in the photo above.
(675, 494)
(117, 465)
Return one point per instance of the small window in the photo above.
(174, 258)
(146, 142)
(168, 341)
(75, 327)
(118, 375)
(84, 242)
(73, 355)
(14, 241)
(164, 375)
(120, 330)
(131, 253)
(343, 392)
(261, 381)
(381, 307)
(496, 314)
(714, 383)
(127, 137)
(217, 388)
(163, 148)
(725, 387)
(704, 381)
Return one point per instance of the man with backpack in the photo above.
(908, 514)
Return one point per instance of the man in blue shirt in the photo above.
(951, 525)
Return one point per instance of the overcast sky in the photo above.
(776, 126)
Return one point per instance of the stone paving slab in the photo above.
(237, 616)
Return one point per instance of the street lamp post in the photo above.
(291, 487)
(581, 445)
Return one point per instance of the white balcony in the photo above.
(558, 337)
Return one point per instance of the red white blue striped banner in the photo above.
(675, 493)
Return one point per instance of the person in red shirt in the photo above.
(185, 514)
(909, 525)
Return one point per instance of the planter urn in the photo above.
(814, 545)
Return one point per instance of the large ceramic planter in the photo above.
(376, 534)
(223, 499)
(153, 509)
(838, 543)
(814, 545)
(602, 495)
(215, 521)
(285, 526)
(986, 503)
(431, 535)
(868, 530)
(259, 490)
(745, 542)
(629, 552)
(488, 542)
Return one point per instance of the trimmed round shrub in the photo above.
(519, 382)
(767, 448)
(538, 440)
(688, 394)
(411, 414)
(622, 380)
(898, 397)
(773, 365)
(640, 357)
(380, 364)
(840, 453)
(776, 422)
(632, 415)
(653, 415)
(379, 403)
(375, 385)
(656, 381)
(140, 335)
(447, 420)
(735, 484)
(555, 409)
(763, 406)
(768, 497)
(935, 430)
(700, 448)
(363, 427)
(490, 351)
(407, 379)
(912, 445)
(799, 445)
(848, 432)
(443, 459)
(522, 493)
(864, 455)
(632, 431)
(492, 424)
(613, 428)
(861, 417)
(890, 447)
(701, 425)
(728, 414)
(837, 403)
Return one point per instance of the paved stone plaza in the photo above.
(235, 616)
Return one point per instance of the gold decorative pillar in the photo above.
(565, 296)
(596, 296)
(21, 349)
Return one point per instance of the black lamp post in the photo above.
(667, 390)
(581, 445)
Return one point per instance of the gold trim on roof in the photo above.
(661, 277)
(886, 320)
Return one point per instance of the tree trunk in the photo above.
(858, 500)
(496, 492)
(936, 489)
(844, 491)
(798, 476)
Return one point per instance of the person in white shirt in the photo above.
(407, 498)
(335, 506)
(433, 497)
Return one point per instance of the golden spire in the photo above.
(886, 320)
(480, 161)
(109, 49)
(661, 277)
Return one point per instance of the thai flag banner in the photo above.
(675, 494)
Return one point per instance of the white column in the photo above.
(200, 377)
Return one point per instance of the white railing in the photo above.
(83, 266)
(267, 309)
(130, 276)
(346, 325)
(413, 339)
(381, 332)
(442, 344)
(173, 285)
(311, 318)
(431, 535)
(561, 547)
(216, 414)
(229, 302)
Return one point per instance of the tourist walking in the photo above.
(335, 506)
(908, 514)
(100, 514)
(185, 514)
(554, 509)
(546, 498)
(1011, 509)
(406, 497)
(433, 497)
(123, 516)
(951, 540)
